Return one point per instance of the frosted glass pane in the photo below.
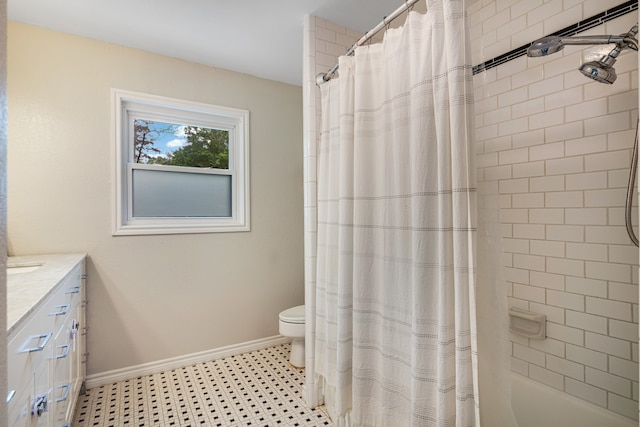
(180, 194)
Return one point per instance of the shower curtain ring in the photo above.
(322, 78)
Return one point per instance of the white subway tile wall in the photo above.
(555, 147)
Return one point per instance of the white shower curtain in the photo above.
(395, 302)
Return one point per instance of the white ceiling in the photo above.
(258, 37)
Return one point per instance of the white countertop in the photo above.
(26, 290)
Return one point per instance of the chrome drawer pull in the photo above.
(74, 290)
(40, 405)
(67, 388)
(10, 395)
(64, 309)
(64, 353)
(45, 339)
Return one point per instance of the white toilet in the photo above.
(292, 325)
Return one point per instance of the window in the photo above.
(180, 167)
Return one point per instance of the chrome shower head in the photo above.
(599, 72)
(602, 71)
(545, 46)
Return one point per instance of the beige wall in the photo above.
(150, 297)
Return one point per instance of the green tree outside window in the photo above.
(201, 147)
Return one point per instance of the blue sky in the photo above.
(171, 139)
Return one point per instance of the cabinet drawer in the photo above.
(63, 352)
(29, 347)
(72, 286)
(68, 294)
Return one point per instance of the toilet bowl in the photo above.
(291, 325)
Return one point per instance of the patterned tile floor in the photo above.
(259, 388)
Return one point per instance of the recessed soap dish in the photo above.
(527, 323)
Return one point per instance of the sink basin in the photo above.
(26, 267)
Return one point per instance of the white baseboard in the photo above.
(110, 377)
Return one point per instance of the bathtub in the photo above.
(536, 405)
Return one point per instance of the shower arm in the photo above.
(631, 42)
(551, 44)
(624, 40)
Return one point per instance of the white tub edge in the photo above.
(536, 405)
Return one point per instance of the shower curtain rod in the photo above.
(325, 77)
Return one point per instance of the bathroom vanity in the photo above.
(46, 338)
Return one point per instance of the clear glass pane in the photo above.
(180, 145)
(181, 195)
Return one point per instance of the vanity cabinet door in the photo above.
(67, 376)
(40, 415)
(76, 332)
(21, 407)
(61, 373)
(28, 347)
(18, 409)
(29, 355)
(77, 355)
(44, 355)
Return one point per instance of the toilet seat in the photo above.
(293, 315)
(291, 325)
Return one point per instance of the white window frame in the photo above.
(126, 106)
